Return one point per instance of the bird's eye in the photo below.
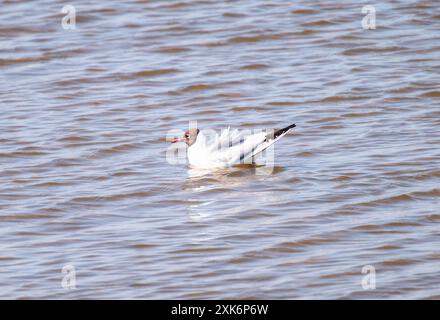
(186, 136)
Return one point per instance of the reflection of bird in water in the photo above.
(228, 177)
(212, 191)
(230, 148)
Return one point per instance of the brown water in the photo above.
(84, 179)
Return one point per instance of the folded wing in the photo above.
(233, 147)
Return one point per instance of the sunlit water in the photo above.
(84, 179)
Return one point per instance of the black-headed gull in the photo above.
(229, 148)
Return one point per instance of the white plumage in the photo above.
(230, 147)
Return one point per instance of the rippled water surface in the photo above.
(84, 180)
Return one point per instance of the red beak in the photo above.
(174, 140)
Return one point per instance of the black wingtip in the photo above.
(281, 131)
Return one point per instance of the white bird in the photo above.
(230, 148)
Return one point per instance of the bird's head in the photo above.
(189, 137)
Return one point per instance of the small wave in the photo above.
(214, 44)
(399, 262)
(254, 66)
(339, 274)
(304, 154)
(5, 258)
(116, 149)
(5, 62)
(433, 218)
(401, 224)
(319, 23)
(142, 246)
(233, 15)
(168, 118)
(342, 98)
(430, 193)
(229, 95)
(199, 250)
(19, 154)
(173, 49)
(304, 11)
(257, 38)
(30, 216)
(47, 56)
(396, 224)
(342, 178)
(370, 50)
(305, 32)
(406, 89)
(138, 285)
(50, 184)
(199, 87)
(206, 112)
(153, 73)
(281, 103)
(390, 200)
(173, 6)
(115, 197)
(304, 243)
(15, 30)
(360, 115)
(132, 25)
(66, 162)
(367, 227)
(331, 127)
(245, 109)
(73, 139)
(124, 174)
(432, 94)
(388, 247)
